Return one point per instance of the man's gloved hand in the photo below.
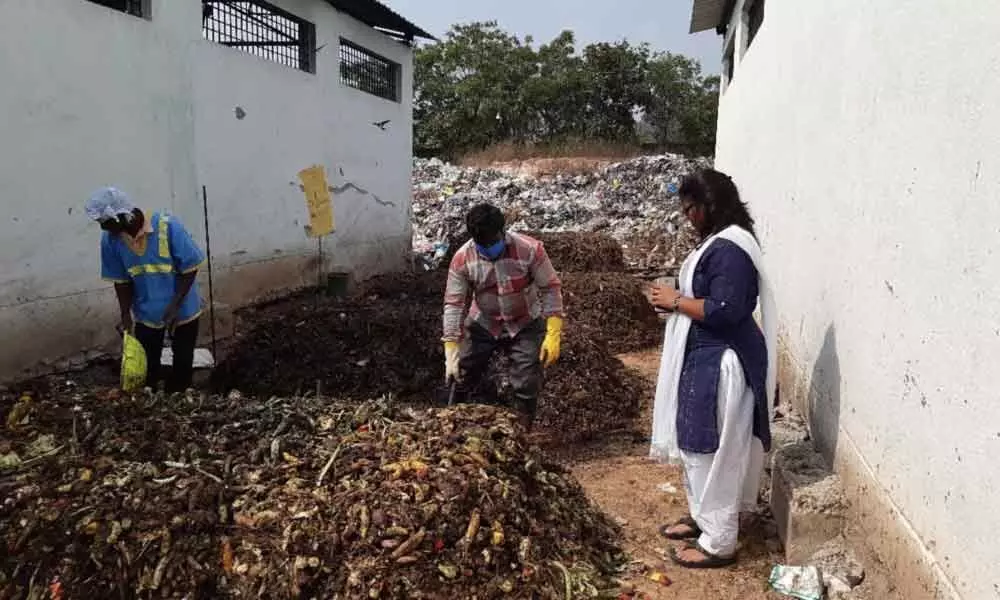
(553, 338)
(451, 361)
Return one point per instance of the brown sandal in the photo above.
(687, 522)
(712, 561)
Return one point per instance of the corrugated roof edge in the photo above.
(711, 14)
(376, 14)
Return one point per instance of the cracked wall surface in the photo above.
(151, 107)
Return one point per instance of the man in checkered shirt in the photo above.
(516, 305)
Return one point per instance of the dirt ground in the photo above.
(618, 476)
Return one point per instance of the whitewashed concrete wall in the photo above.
(293, 120)
(864, 136)
(91, 96)
(88, 97)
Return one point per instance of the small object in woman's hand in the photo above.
(669, 282)
(663, 297)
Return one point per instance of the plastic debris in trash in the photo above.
(803, 583)
(203, 358)
(660, 578)
(634, 201)
(667, 488)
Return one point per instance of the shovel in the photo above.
(450, 392)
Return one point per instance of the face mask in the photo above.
(492, 252)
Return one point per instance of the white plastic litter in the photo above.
(634, 201)
(804, 583)
(203, 358)
(667, 488)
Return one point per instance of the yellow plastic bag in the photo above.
(133, 363)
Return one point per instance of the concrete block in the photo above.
(807, 500)
(842, 569)
(787, 429)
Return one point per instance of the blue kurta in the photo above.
(727, 279)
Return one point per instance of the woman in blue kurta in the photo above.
(715, 388)
(153, 262)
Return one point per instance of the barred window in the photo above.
(139, 8)
(364, 70)
(261, 29)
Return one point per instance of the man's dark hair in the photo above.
(716, 193)
(485, 223)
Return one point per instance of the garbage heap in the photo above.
(634, 201)
(386, 340)
(111, 496)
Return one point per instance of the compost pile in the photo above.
(568, 251)
(611, 308)
(634, 201)
(386, 340)
(110, 496)
(588, 392)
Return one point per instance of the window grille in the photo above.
(364, 70)
(261, 29)
(132, 7)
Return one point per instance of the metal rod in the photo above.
(319, 269)
(211, 286)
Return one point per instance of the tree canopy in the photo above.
(482, 86)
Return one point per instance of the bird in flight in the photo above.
(382, 124)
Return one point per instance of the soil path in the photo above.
(618, 476)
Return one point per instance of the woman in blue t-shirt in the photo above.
(153, 263)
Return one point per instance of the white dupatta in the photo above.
(664, 440)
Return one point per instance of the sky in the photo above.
(661, 23)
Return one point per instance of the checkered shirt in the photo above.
(507, 294)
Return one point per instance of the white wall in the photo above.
(864, 136)
(292, 121)
(93, 97)
(88, 97)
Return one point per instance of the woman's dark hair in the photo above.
(485, 223)
(716, 193)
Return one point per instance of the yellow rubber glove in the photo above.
(553, 338)
(451, 361)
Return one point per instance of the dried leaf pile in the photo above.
(588, 392)
(209, 497)
(386, 340)
(611, 308)
(573, 251)
(380, 342)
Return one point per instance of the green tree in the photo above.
(616, 77)
(482, 86)
(467, 89)
(683, 104)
